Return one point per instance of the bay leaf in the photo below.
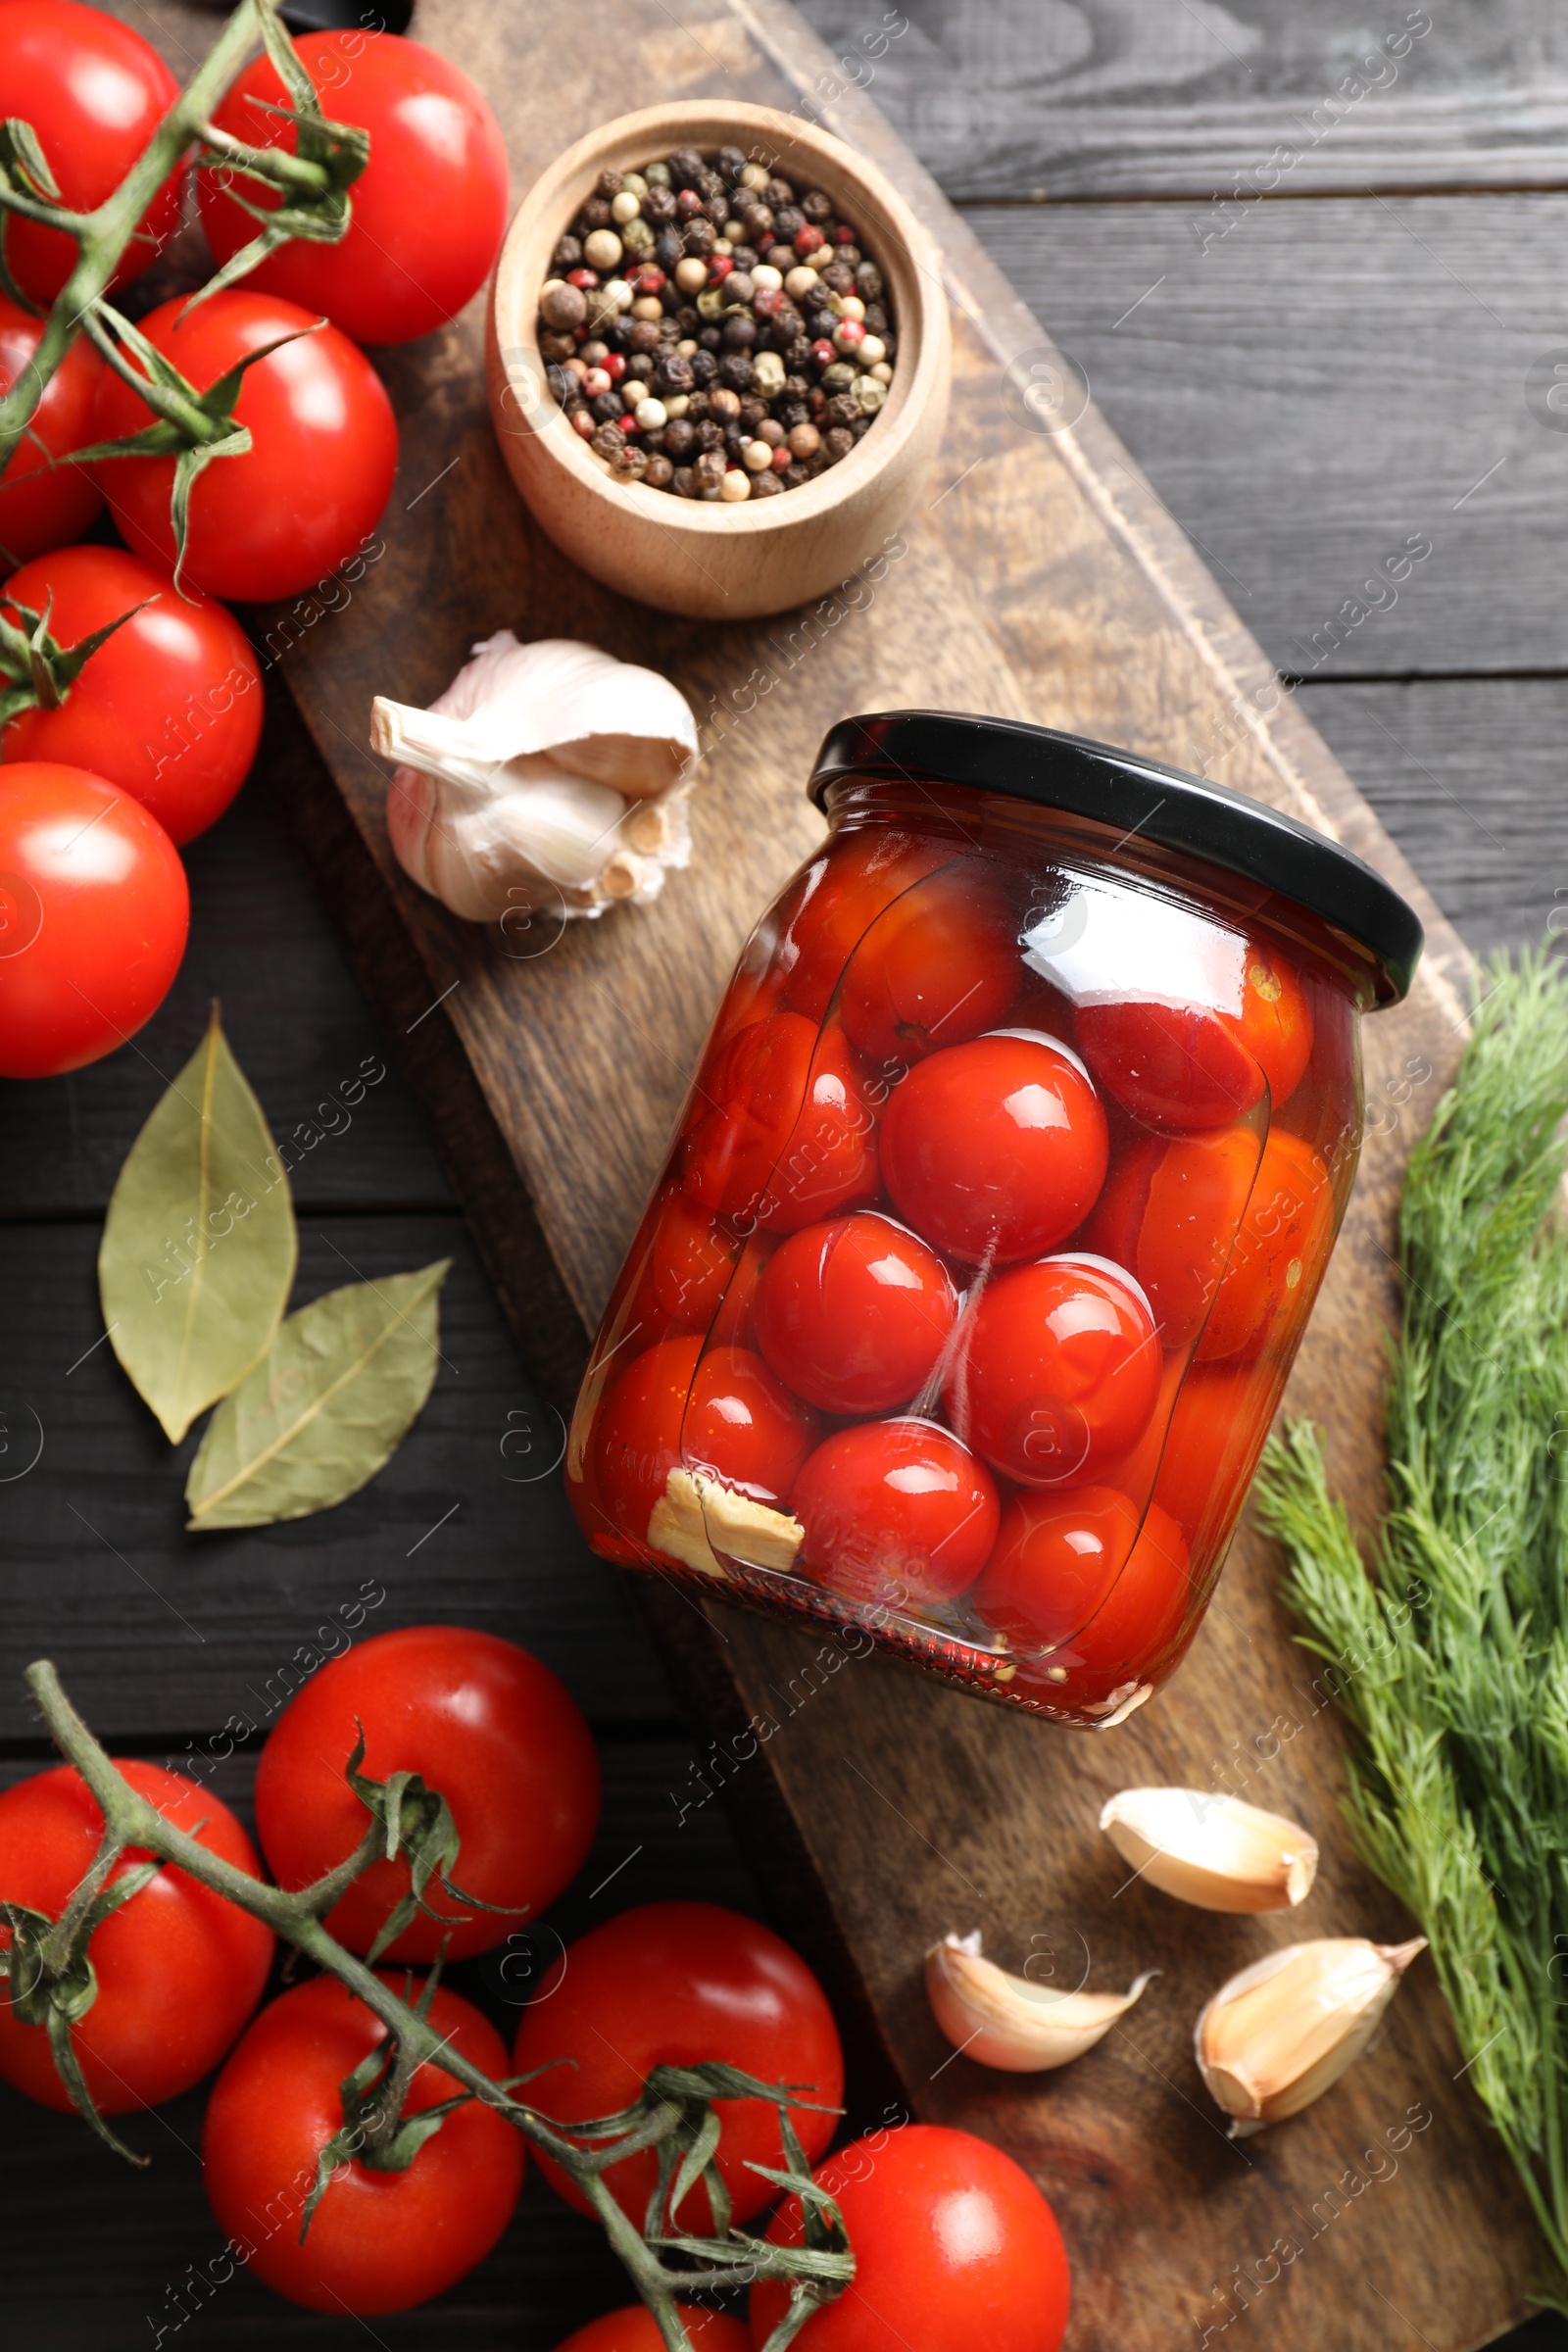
(324, 1408)
(198, 1249)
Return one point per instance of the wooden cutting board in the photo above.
(1041, 578)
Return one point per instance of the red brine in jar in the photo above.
(987, 1234)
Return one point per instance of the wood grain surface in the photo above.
(1044, 580)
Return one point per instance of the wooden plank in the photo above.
(295, 1019)
(1320, 385)
(1082, 98)
(1467, 776)
(165, 1635)
(1046, 581)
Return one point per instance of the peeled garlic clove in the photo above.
(694, 1514)
(1215, 1851)
(1275, 2037)
(1006, 2022)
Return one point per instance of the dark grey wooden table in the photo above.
(1321, 299)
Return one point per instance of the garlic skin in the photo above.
(1213, 1851)
(1006, 2022)
(1277, 2035)
(547, 775)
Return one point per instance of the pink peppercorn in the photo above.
(844, 234)
(613, 364)
(583, 424)
(808, 240)
(649, 281)
(718, 268)
(849, 332)
(596, 382)
(586, 279)
(823, 353)
(781, 456)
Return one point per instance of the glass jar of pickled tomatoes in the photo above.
(996, 1213)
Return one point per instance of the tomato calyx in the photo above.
(50, 1972)
(416, 1823)
(41, 670)
(375, 2130)
(314, 180)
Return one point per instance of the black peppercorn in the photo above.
(658, 207)
(669, 246)
(766, 486)
(659, 472)
(717, 209)
(596, 213)
(709, 434)
(837, 278)
(605, 407)
(629, 465)
(739, 333)
(791, 412)
(777, 192)
(670, 331)
(842, 409)
(820, 324)
(875, 321)
(724, 404)
(709, 339)
(758, 222)
(787, 221)
(689, 318)
(680, 437)
(816, 206)
(735, 371)
(697, 407)
(862, 425)
(837, 442)
(556, 346)
(688, 205)
(609, 184)
(617, 334)
(744, 257)
(868, 281)
(698, 237)
(711, 468)
(607, 438)
(709, 184)
(783, 258)
(686, 167)
(797, 359)
(753, 412)
(644, 336)
(795, 478)
(672, 375)
(684, 483)
(890, 343)
(639, 367)
(568, 255)
(561, 381)
(730, 164)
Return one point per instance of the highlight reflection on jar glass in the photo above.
(996, 1212)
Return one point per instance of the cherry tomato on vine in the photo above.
(179, 1968)
(954, 2246)
(936, 968)
(896, 1511)
(788, 1134)
(429, 209)
(94, 910)
(309, 492)
(1055, 1371)
(378, 2240)
(44, 505)
(169, 708)
(94, 91)
(480, 1721)
(1170, 1214)
(673, 1984)
(995, 1150)
(854, 1314)
(635, 2330)
(1279, 1254)
(837, 900)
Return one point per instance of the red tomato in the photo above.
(939, 967)
(735, 1324)
(995, 1150)
(1170, 1214)
(179, 1968)
(429, 209)
(93, 914)
(477, 1719)
(94, 91)
(1275, 1022)
(954, 2245)
(1176, 1065)
(310, 491)
(673, 1984)
(1057, 1371)
(1279, 1254)
(854, 1314)
(635, 2330)
(170, 707)
(723, 1413)
(1130, 1637)
(377, 2241)
(896, 1511)
(41, 504)
(1216, 1432)
(787, 1135)
(839, 897)
(692, 1257)
(1055, 1560)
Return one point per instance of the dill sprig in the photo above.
(1450, 1659)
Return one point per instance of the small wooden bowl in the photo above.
(693, 555)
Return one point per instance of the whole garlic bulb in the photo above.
(548, 763)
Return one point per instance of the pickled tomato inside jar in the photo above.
(937, 967)
(835, 902)
(723, 1413)
(1092, 1587)
(854, 1314)
(1171, 1212)
(996, 1150)
(1056, 1370)
(896, 1511)
(1279, 1253)
(785, 1130)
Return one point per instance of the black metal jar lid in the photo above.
(1159, 803)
